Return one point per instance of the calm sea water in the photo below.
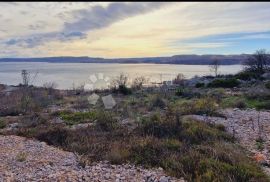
(67, 75)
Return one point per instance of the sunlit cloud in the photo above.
(133, 29)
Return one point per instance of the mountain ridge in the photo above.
(175, 59)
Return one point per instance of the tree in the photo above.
(215, 66)
(120, 80)
(25, 77)
(259, 62)
(179, 79)
(119, 84)
(28, 78)
(138, 82)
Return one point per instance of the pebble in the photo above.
(47, 163)
(247, 126)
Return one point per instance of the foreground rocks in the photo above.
(29, 160)
(250, 127)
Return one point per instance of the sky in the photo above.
(132, 29)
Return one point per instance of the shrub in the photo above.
(220, 162)
(54, 136)
(246, 75)
(194, 150)
(118, 154)
(179, 92)
(156, 126)
(72, 118)
(197, 132)
(119, 84)
(10, 104)
(123, 89)
(267, 84)
(33, 120)
(21, 156)
(225, 83)
(205, 106)
(263, 105)
(187, 93)
(258, 92)
(81, 103)
(106, 121)
(28, 132)
(183, 92)
(199, 85)
(2, 124)
(179, 80)
(157, 101)
(138, 82)
(216, 93)
(220, 127)
(240, 104)
(259, 144)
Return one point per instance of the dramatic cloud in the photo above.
(88, 19)
(132, 29)
(99, 17)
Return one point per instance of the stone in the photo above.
(266, 75)
(81, 125)
(58, 165)
(260, 158)
(57, 121)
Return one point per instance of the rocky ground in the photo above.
(30, 160)
(248, 126)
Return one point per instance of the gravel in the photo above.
(247, 126)
(30, 160)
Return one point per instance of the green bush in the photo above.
(123, 89)
(72, 118)
(220, 127)
(200, 106)
(186, 93)
(246, 75)
(2, 124)
(180, 92)
(263, 105)
(241, 103)
(159, 128)
(199, 85)
(224, 83)
(216, 93)
(158, 101)
(197, 132)
(267, 84)
(106, 121)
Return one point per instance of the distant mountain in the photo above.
(177, 59)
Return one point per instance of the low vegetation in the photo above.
(2, 123)
(224, 83)
(184, 148)
(147, 126)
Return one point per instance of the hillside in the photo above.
(177, 59)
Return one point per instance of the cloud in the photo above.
(39, 39)
(8, 3)
(88, 19)
(133, 28)
(222, 38)
(37, 26)
(100, 17)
